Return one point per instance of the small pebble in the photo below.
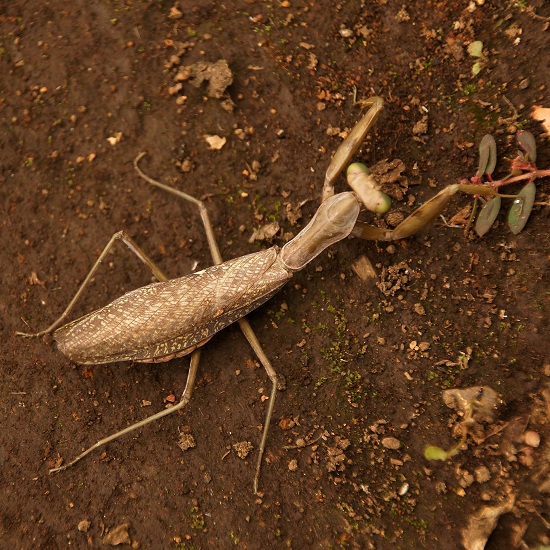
(293, 465)
(482, 474)
(532, 438)
(84, 525)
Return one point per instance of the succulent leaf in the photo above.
(488, 215)
(521, 209)
(487, 155)
(527, 142)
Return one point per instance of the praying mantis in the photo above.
(173, 318)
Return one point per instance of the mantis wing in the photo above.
(170, 319)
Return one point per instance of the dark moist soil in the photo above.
(363, 363)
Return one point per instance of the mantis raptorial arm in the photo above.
(421, 217)
(353, 141)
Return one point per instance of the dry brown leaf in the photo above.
(266, 232)
(215, 142)
(462, 216)
(542, 114)
(34, 280)
(478, 403)
(364, 269)
(118, 535)
(483, 523)
(294, 212)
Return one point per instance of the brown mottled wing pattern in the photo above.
(168, 318)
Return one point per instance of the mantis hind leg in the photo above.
(129, 242)
(186, 396)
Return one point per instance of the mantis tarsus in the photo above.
(176, 317)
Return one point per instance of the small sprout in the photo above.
(527, 142)
(477, 405)
(356, 169)
(487, 155)
(475, 48)
(431, 452)
(521, 209)
(476, 68)
(488, 215)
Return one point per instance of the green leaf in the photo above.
(431, 452)
(476, 68)
(527, 142)
(488, 215)
(487, 155)
(521, 209)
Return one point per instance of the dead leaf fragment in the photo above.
(478, 403)
(294, 212)
(34, 280)
(390, 179)
(215, 142)
(364, 269)
(542, 114)
(421, 127)
(462, 216)
(286, 423)
(454, 47)
(265, 232)
(483, 523)
(118, 535)
(113, 140)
